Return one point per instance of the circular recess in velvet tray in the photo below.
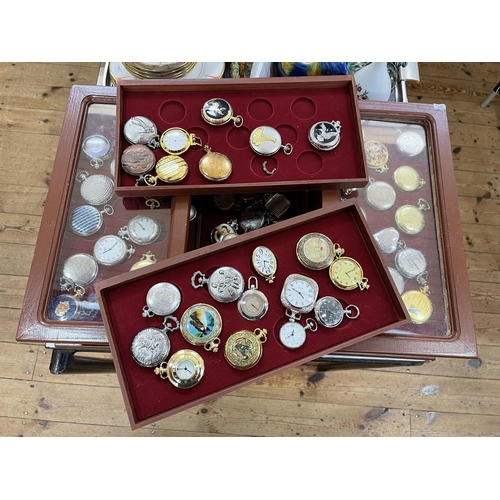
(288, 134)
(238, 137)
(304, 108)
(260, 109)
(172, 111)
(309, 163)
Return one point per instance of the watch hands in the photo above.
(110, 248)
(295, 290)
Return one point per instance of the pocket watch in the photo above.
(79, 269)
(169, 169)
(377, 156)
(176, 141)
(95, 189)
(419, 306)
(380, 195)
(330, 313)
(410, 143)
(138, 159)
(215, 166)
(141, 130)
(86, 220)
(293, 335)
(162, 299)
(147, 259)
(223, 230)
(225, 284)
(251, 218)
(151, 346)
(347, 274)
(410, 262)
(66, 307)
(266, 141)
(253, 304)
(407, 179)
(184, 369)
(201, 324)
(299, 293)
(218, 112)
(387, 239)
(265, 263)
(243, 349)
(410, 219)
(111, 250)
(141, 230)
(317, 251)
(97, 149)
(324, 135)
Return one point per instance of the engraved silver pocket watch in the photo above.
(95, 189)
(141, 230)
(387, 239)
(225, 284)
(86, 220)
(266, 141)
(97, 148)
(111, 250)
(324, 135)
(162, 299)
(141, 130)
(380, 195)
(411, 263)
(78, 270)
(330, 313)
(218, 111)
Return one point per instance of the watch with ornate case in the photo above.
(225, 284)
(141, 130)
(377, 156)
(151, 346)
(162, 299)
(176, 141)
(201, 324)
(317, 251)
(407, 179)
(265, 263)
(410, 143)
(330, 313)
(78, 270)
(138, 159)
(169, 169)
(66, 307)
(215, 166)
(111, 250)
(293, 335)
(410, 262)
(347, 274)
(141, 230)
(97, 149)
(324, 135)
(253, 304)
(299, 293)
(86, 220)
(243, 349)
(266, 141)
(184, 369)
(95, 189)
(380, 195)
(218, 112)
(410, 219)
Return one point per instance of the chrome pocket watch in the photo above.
(410, 262)
(111, 250)
(387, 239)
(225, 284)
(265, 263)
(95, 189)
(377, 156)
(169, 169)
(86, 220)
(347, 274)
(419, 305)
(293, 335)
(162, 299)
(97, 149)
(176, 141)
(151, 346)
(215, 166)
(316, 251)
(266, 141)
(141, 130)
(253, 304)
(299, 293)
(78, 270)
(201, 324)
(184, 369)
(243, 349)
(218, 112)
(380, 195)
(324, 135)
(330, 313)
(138, 159)
(141, 230)
(408, 179)
(410, 143)
(410, 219)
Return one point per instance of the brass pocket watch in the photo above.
(218, 112)
(253, 304)
(225, 284)
(184, 369)
(316, 251)
(418, 304)
(410, 219)
(176, 141)
(86, 220)
(266, 141)
(147, 259)
(265, 263)
(347, 274)
(97, 149)
(201, 324)
(408, 179)
(141, 130)
(169, 169)
(138, 159)
(324, 135)
(243, 349)
(215, 166)
(162, 299)
(377, 156)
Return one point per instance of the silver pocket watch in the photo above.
(141, 230)
(111, 250)
(330, 313)
(141, 130)
(225, 284)
(266, 141)
(324, 135)
(387, 239)
(253, 304)
(86, 220)
(97, 148)
(78, 270)
(411, 263)
(293, 335)
(162, 299)
(95, 189)
(380, 195)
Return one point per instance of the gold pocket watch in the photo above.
(418, 304)
(215, 166)
(265, 263)
(408, 179)
(201, 324)
(316, 251)
(347, 274)
(218, 111)
(410, 219)
(176, 141)
(377, 156)
(169, 169)
(184, 369)
(147, 259)
(243, 349)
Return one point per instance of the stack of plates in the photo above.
(166, 70)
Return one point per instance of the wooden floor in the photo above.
(356, 402)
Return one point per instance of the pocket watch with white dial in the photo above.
(176, 141)
(330, 313)
(225, 284)
(218, 111)
(299, 293)
(111, 250)
(141, 230)
(162, 299)
(201, 324)
(265, 263)
(243, 349)
(317, 251)
(293, 335)
(347, 274)
(266, 141)
(253, 304)
(184, 369)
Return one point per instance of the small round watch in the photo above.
(141, 130)
(410, 262)
(410, 143)
(215, 166)
(407, 179)
(111, 250)
(410, 219)
(141, 230)
(176, 141)
(418, 305)
(225, 284)
(380, 195)
(293, 334)
(265, 263)
(377, 156)
(162, 299)
(95, 189)
(253, 304)
(330, 313)
(347, 274)
(266, 141)
(222, 230)
(201, 324)
(218, 112)
(324, 135)
(169, 169)
(97, 149)
(299, 293)
(138, 159)
(86, 220)
(78, 270)
(316, 251)
(243, 349)
(184, 369)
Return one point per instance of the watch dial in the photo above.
(143, 230)
(346, 272)
(329, 312)
(253, 305)
(174, 140)
(300, 293)
(110, 250)
(264, 261)
(292, 335)
(185, 369)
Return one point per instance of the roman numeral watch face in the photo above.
(265, 263)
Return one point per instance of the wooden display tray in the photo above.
(149, 398)
(290, 105)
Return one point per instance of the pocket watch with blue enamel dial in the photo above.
(184, 369)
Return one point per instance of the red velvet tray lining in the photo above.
(151, 396)
(291, 111)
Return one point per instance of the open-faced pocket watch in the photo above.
(266, 141)
(176, 141)
(330, 313)
(111, 250)
(324, 135)
(162, 299)
(292, 334)
(218, 111)
(141, 130)
(184, 369)
(265, 263)
(346, 273)
(410, 219)
(86, 220)
(253, 304)
(316, 251)
(299, 293)
(141, 230)
(96, 189)
(243, 349)
(97, 148)
(201, 324)
(225, 284)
